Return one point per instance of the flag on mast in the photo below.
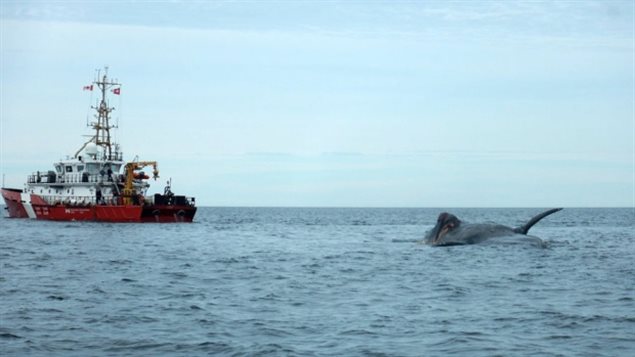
(117, 91)
(90, 87)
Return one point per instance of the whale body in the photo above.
(450, 230)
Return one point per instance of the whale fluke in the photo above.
(525, 228)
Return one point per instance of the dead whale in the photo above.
(450, 230)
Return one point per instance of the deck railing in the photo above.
(73, 178)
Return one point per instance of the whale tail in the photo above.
(525, 228)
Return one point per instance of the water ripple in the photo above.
(316, 282)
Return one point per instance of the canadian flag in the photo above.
(117, 91)
(90, 87)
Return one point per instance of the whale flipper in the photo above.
(525, 228)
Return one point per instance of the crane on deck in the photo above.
(130, 175)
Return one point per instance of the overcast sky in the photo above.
(329, 103)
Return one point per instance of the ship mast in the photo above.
(102, 126)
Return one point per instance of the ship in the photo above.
(96, 184)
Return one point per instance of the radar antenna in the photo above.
(102, 124)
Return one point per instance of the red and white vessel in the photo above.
(96, 184)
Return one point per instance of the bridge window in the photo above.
(92, 168)
(69, 168)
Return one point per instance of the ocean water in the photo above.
(318, 282)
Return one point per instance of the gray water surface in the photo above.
(318, 281)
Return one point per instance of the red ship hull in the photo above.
(20, 205)
(12, 198)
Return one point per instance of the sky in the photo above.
(335, 103)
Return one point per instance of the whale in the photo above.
(450, 230)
